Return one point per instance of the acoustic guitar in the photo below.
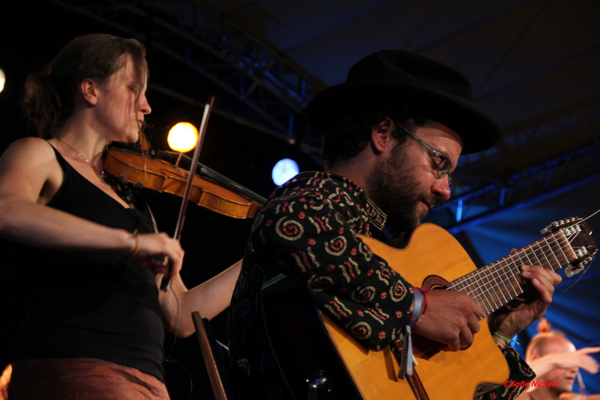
(318, 358)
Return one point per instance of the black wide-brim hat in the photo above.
(411, 80)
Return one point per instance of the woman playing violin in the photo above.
(95, 320)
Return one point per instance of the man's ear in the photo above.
(381, 135)
(89, 92)
(535, 354)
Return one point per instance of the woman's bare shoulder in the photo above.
(31, 146)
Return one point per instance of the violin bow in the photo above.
(188, 188)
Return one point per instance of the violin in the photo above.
(209, 189)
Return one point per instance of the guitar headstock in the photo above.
(579, 234)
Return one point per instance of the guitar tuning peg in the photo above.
(571, 270)
(550, 227)
(575, 269)
(590, 259)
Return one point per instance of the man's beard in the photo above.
(395, 189)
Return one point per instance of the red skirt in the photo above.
(82, 379)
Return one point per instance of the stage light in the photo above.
(2, 80)
(284, 170)
(183, 137)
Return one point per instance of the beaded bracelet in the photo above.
(424, 291)
(417, 308)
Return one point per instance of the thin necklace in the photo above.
(102, 175)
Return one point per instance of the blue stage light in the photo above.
(284, 170)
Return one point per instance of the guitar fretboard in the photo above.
(500, 282)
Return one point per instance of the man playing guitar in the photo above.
(392, 136)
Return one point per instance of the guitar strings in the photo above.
(585, 219)
(507, 279)
(477, 289)
(555, 241)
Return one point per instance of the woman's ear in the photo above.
(89, 91)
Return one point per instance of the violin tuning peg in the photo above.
(138, 185)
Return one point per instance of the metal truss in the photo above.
(538, 183)
(544, 127)
(259, 75)
(276, 90)
(479, 197)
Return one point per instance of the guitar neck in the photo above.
(500, 282)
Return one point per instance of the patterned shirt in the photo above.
(307, 231)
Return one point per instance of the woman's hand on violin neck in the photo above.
(157, 252)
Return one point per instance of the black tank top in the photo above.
(92, 304)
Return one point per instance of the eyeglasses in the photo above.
(443, 166)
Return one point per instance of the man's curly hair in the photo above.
(349, 134)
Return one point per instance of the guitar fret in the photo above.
(560, 242)
(496, 274)
(537, 260)
(479, 281)
(543, 260)
(513, 280)
(474, 283)
(520, 257)
(553, 259)
(506, 298)
(488, 293)
(557, 261)
(529, 261)
(547, 262)
(476, 292)
(511, 276)
(556, 249)
(516, 279)
(472, 290)
(507, 269)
